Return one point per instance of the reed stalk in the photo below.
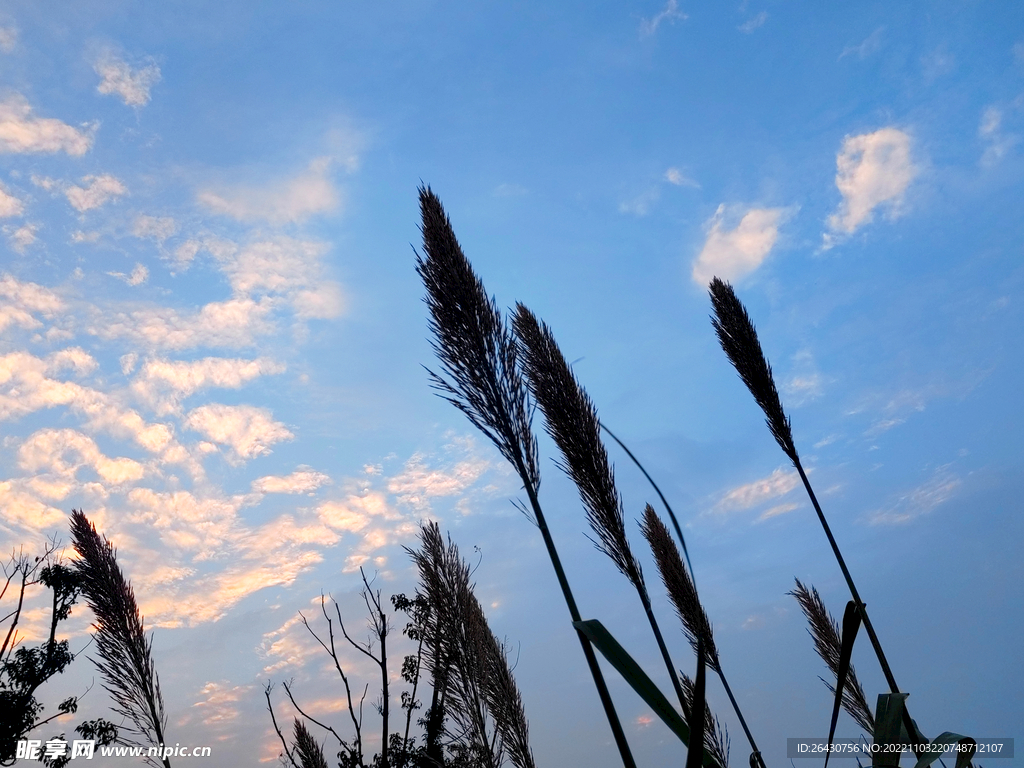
(571, 421)
(683, 594)
(126, 653)
(478, 354)
(738, 338)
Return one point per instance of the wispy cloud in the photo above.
(733, 253)
(246, 430)
(753, 23)
(8, 39)
(940, 487)
(284, 201)
(96, 191)
(753, 494)
(138, 276)
(872, 170)
(157, 228)
(164, 384)
(869, 45)
(118, 78)
(669, 13)
(679, 179)
(10, 206)
(22, 132)
(641, 204)
(997, 142)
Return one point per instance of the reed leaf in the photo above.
(698, 722)
(125, 652)
(851, 623)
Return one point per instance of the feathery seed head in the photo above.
(681, 590)
(474, 344)
(738, 338)
(571, 420)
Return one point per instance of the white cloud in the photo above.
(669, 13)
(921, 500)
(300, 481)
(78, 236)
(753, 23)
(163, 384)
(872, 169)
(48, 450)
(285, 201)
(731, 254)
(247, 430)
(24, 301)
(26, 386)
(641, 204)
(20, 132)
(9, 204)
(118, 78)
(185, 253)
(97, 191)
(8, 39)
(234, 323)
(866, 47)
(21, 237)
(138, 276)
(749, 495)
(281, 266)
(154, 227)
(677, 177)
(997, 143)
(510, 190)
(805, 383)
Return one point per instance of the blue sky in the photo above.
(212, 333)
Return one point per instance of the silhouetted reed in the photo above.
(479, 355)
(571, 420)
(739, 340)
(481, 695)
(308, 751)
(683, 594)
(125, 652)
(824, 629)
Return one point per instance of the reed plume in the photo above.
(824, 630)
(716, 736)
(739, 340)
(479, 355)
(696, 626)
(306, 750)
(571, 420)
(480, 690)
(126, 653)
(474, 344)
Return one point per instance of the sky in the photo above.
(213, 336)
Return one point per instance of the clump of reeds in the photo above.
(479, 356)
(480, 691)
(125, 652)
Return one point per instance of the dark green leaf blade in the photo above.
(695, 748)
(851, 625)
(638, 680)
